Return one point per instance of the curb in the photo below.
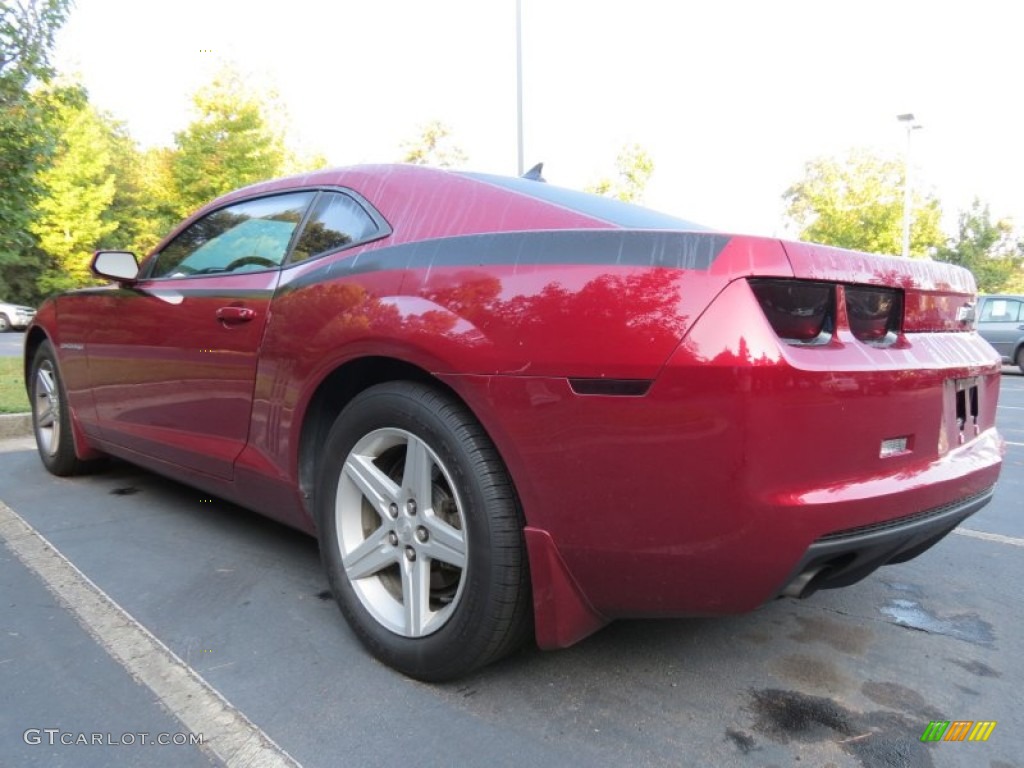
(15, 425)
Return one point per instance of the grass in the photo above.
(12, 386)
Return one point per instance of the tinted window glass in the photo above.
(240, 238)
(337, 221)
(607, 209)
(1000, 311)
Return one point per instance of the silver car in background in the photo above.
(1001, 324)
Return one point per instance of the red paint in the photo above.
(698, 498)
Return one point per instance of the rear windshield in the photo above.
(607, 209)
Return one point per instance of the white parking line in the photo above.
(997, 537)
(1012, 407)
(1010, 442)
(228, 734)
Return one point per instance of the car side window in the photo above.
(337, 221)
(243, 237)
(1001, 311)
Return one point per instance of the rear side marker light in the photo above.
(611, 387)
(800, 311)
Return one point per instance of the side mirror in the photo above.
(121, 266)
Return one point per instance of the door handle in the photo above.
(236, 314)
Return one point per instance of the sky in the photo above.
(729, 97)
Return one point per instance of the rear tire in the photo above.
(421, 534)
(51, 417)
(5, 323)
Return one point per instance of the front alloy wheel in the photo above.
(421, 534)
(51, 417)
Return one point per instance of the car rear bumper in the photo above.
(845, 557)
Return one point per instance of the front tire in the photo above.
(421, 534)
(5, 323)
(1020, 359)
(51, 417)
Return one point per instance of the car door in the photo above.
(1000, 323)
(172, 358)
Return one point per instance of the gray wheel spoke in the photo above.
(46, 409)
(372, 556)
(45, 418)
(416, 595)
(445, 543)
(374, 484)
(416, 477)
(46, 381)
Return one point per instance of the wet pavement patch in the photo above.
(977, 668)
(744, 742)
(896, 696)
(880, 738)
(844, 637)
(809, 671)
(128, 491)
(325, 595)
(786, 715)
(967, 626)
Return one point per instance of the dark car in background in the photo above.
(1001, 324)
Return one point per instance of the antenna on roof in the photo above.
(534, 173)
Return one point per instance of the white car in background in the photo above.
(15, 316)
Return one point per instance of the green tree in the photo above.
(231, 142)
(434, 146)
(72, 216)
(985, 247)
(856, 202)
(27, 29)
(633, 167)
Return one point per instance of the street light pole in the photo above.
(907, 118)
(519, 83)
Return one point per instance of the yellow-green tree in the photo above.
(856, 201)
(145, 206)
(231, 142)
(434, 146)
(27, 31)
(71, 217)
(633, 167)
(987, 248)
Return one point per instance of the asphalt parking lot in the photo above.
(12, 344)
(846, 678)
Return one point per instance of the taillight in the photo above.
(874, 313)
(804, 312)
(800, 311)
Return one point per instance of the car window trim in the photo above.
(151, 260)
(383, 227)
(383, 230)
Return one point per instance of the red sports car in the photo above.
(507, 408)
